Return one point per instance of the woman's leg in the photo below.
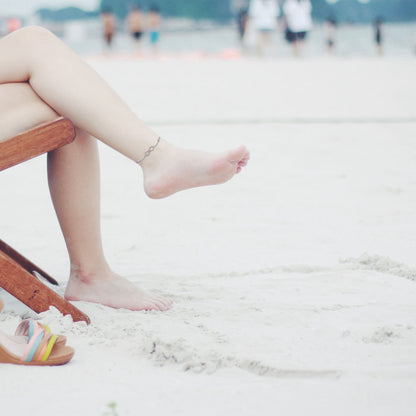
(69, 86)
(75, 169)
(21, 109)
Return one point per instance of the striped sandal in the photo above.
(26, 329)
(40, 349)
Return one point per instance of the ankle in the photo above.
(155, 157)
(89, 274)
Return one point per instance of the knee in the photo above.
(36, 35)
(34, 32)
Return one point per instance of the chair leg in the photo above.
(18, 274)
(23, 285)
(25, 263)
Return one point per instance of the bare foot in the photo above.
(114, 291)
(170, 169)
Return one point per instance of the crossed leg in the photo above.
(74, 90)
(75, 168)
(53, 80)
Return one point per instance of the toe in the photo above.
(237, 154)
(162, 307)
(162, 303)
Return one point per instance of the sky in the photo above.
(27, 7)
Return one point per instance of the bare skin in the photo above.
(191, 168)
(36, 88)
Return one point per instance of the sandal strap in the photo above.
(51, 344)
(27, 327)
(33, 343)
(40, 345)
(45, 347)
(23, 328)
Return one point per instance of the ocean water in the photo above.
(351, 41)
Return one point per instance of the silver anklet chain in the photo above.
(148, 151)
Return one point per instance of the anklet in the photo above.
(148, 151)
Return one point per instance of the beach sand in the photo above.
(294, 285)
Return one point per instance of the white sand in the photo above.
(294, 284)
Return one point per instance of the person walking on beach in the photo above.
(263, 16)
(135, 25)
(242, 19)
(299, 22)
(330, 28)
(41, 79)
(378, 35)
(109, 26)
(154, 22)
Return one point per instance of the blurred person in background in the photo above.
(242, 19)
(109, 26)
(378, 35)
(299, 22)
(330, 29)
(135, 24)
(414, 43)
(263, 15)
(154, 23)
(13, 23)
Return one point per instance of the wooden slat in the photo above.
(36, 141)
(29, 290)
(24, 262)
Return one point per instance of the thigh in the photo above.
(15, 56)
(21, 108)
(22, 49)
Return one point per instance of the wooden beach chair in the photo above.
(18, 275)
